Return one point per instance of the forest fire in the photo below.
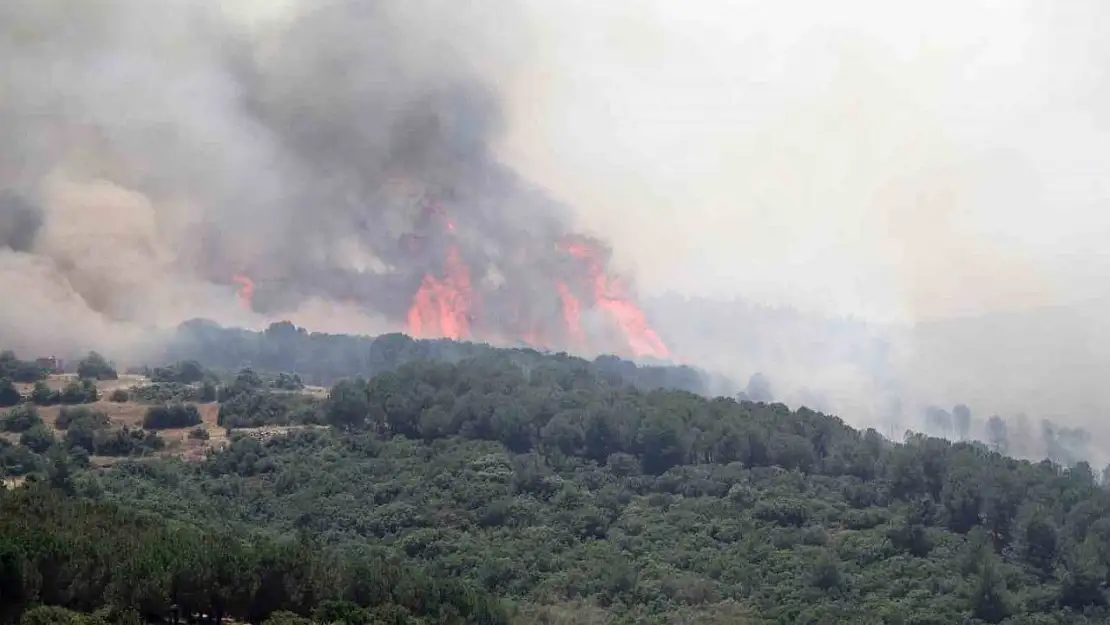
(441, 308)
(611, 295)
(445, 305)
(549, 290)
(246, 290)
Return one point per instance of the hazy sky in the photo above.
(889, 159)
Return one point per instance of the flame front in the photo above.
(246, 290)
(611, 295)
(541, 308)
(572, 315)
(441, 308)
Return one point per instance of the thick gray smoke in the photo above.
(331, 152)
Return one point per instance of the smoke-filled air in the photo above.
(885, 210)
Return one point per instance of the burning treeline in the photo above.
(341, 154)
(554, 294)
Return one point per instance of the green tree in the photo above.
(38, 439)
(1083, 576)
(9, 395)
(20, 419)
(81, 391)
(348, 404)
(96, 367)
(171, 416)
(990, 600)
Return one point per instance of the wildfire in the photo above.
(572, 315)
(246, 290)
(441, 308)
(447, 303)
(611, 295)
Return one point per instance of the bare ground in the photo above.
(131, 414)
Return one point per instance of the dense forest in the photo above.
(444, 482)
(326, 358)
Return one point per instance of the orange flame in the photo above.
(246, 290)
(441, 308)
(612, 296)
(572, 311)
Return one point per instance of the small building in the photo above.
(50, 364)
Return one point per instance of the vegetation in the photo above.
(82, 391)
(9, 394)
(171, 416)
(20, 419)
(96, 367)
(16, 370)
(163, 393)
(475, 485)
(79, 416)
(58, 550)
(327, 358)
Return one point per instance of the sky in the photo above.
(894, 161)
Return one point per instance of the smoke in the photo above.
(155, 155)
(907, 199)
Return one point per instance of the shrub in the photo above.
(207, 393)
(82, 435)
(9, 395)
(20, 419)
(288, 382)
(50, 615)
(80, 392)
(94, 366)
(70, 416)
(119, 396)
(163, 392)
(286, 618)
(20, 370)
(43, 395)
(171, 416)
(38, 439)
(128, 442)
(258, 408)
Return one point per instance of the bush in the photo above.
(20, 419)
(288, 382)
(184, 372)
(70, 416)
(199, 433)
(43, 395)
(9, 395)
(119, 396)
(207, 393)
(50, 615)
(286, 618)
(82, 435)
(163, 392)
(38, 439)
(17, 370)
(16, 460)
(80, 392)
(249, 409)
(94, 366)
(171, 416)
(128, 442)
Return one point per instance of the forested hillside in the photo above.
(325, 358)
(570, 491)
